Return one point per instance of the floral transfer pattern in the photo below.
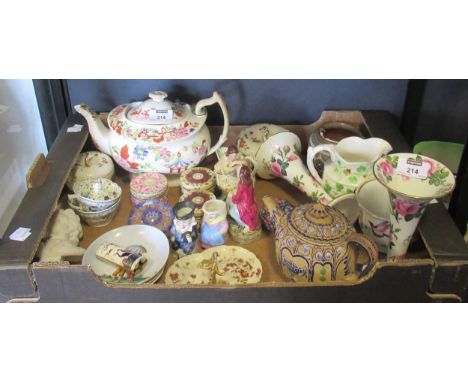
(405, 212)
(140, 152)
(155, 213)
(406, 209)
(410, 195)
(140, 158)
(199, 175)
(351, 176)
(251, 138)
(436, 176)
(336, 189)
(149, 184)
(377, 229)
(285, 163)
(154, 133)
(281, 160)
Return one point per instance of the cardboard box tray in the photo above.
(433, 262)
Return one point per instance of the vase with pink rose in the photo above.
(276, 152)
(412, 181)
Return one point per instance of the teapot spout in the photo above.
(271, 203)
(99, 132)
(274, 212)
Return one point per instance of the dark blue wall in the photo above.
(251, 101)
(444, 111)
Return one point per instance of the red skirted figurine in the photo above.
(243, 210)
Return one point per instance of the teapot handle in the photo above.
(200, 109)
(312, 152)
(370, 248)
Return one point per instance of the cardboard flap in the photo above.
(37, 207)
(16, 282)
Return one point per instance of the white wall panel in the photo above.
(21, 139)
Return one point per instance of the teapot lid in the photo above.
(317, 222)
(156, 110)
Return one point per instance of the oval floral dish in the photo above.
(235, 265)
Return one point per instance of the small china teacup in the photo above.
(97, 194)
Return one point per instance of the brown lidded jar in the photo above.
(197, 179)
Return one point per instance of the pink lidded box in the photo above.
(148, 186)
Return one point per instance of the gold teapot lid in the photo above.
(317, 222)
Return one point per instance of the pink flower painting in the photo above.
(387, 168)
(383, 228)
(432, 166)
(406, 208)
(276, 169)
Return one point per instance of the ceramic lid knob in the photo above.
(319, 214)
(158, 96)
(318, 210)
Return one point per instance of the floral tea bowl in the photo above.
(412, 181)
(97, 194)
(93, 218)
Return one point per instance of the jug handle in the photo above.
(312, 152)
(369, 246)
(200, 110)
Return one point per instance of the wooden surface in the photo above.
(264, 248)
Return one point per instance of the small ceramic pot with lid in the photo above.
(91, 164)
(148, 186)
(197, 179)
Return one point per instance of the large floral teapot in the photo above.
(156, 135)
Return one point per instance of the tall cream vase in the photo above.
(412, 181)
